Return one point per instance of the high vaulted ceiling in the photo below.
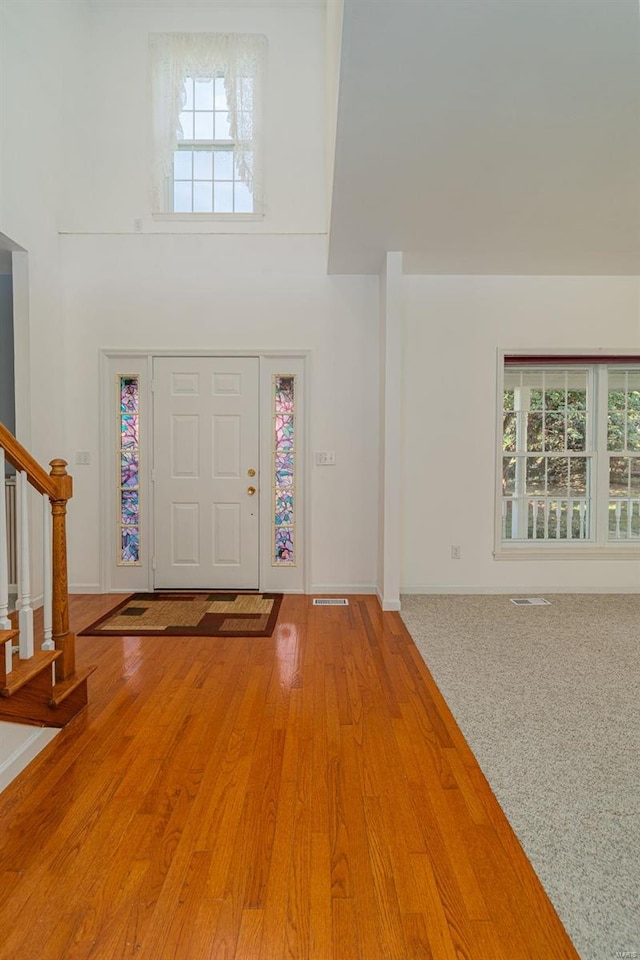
(488, 137)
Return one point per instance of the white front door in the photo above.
(205, 463)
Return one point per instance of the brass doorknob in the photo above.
(251, 491)
(251, 472)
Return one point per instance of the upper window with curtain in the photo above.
(207, 102)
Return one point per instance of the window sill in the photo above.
(207, 217)
(593, 551)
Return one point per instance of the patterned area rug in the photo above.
(190, 614)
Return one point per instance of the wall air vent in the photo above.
(330, 602)
(530, 602)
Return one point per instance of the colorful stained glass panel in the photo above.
(129, 431)
(130, 545)
(284, 507)
(284, 469)
(129, 468)
(128, 471)
(284, 545)
(284, 394)
(284, 432)
(128, 394)
(284, 441)
(130, 507)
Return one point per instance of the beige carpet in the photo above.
(548, 698)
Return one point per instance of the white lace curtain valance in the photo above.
(234, 56)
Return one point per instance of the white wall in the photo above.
(109, 187)
(223, 293)
(219, 285)
(453, 327)
(75, 100)
(7, 387)
(390, 494)
(40, 45)
(334, 18)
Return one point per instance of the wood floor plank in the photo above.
(346, 943)
(306, 796)
(320, 897)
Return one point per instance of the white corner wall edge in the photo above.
(514, 590)
(388, 605)
(19, 744)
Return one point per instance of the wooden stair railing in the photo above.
(28, 692)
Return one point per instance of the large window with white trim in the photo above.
(570, 453)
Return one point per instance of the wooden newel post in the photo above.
(63, 640)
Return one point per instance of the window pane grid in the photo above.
(623, 439)
(206, 175)
(546, 479)
(562, 429)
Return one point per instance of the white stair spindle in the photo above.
(47, 643)
(5, 623)
(25, 615)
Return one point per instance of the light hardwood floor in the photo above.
(302, 796)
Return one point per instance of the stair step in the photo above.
(25, 670)
(7, 635)
(66, 688)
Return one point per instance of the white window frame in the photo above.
(173, 58)
(597, 546)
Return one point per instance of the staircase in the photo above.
(37, 686)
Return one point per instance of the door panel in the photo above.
(226, 447)
(184, 447)
(185, 525)
(205, 442)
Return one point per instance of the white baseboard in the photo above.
(19, 744)
(516, 591)
(387, 604)
(336, 588)
(88, 588)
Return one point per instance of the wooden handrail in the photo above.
(58, 487)
(21, 459)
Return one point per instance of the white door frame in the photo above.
(129, 579)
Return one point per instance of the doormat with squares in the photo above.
(187, 613)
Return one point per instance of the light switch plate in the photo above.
(325, 458)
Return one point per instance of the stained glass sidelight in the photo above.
(284, 445)
(128, 470)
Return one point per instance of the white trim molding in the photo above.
(286, 579)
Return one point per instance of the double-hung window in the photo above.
(570, 455)
(207, 91)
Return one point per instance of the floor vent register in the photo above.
(530, 602)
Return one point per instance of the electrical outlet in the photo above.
(137, 224)
(83, 458)
(455, 551)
